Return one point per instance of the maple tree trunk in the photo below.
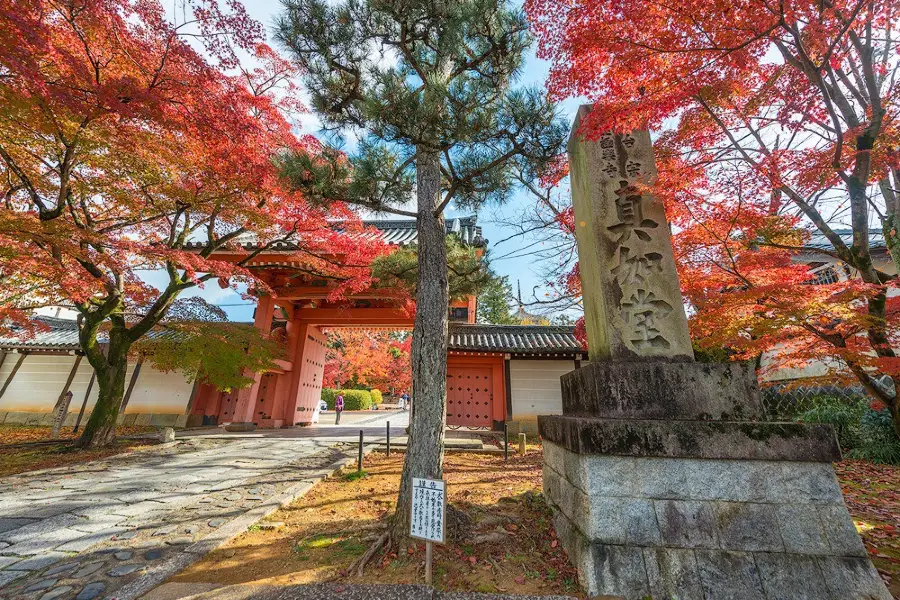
(857, 187)
(878, 392)
(425, 450)
(100, 430)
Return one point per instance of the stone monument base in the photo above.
(706, 529)
(705, 505)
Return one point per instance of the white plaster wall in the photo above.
(535, 387)
(769, 361)
(770, 371)
(39, 381)
(158, 392)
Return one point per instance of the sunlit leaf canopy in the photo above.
(771, 120)
(125, 137)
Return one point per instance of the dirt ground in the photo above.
(336, 521)
(20, 460)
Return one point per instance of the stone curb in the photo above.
(193, 553)
(110, 457)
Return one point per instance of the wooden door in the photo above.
(470, 393)
(226, 407)
(265, 398)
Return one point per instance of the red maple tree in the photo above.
(376, 359)
(774, 117)
(130, 143)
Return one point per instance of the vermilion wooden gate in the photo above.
(470, 393)
(265, 404)
(227, 406)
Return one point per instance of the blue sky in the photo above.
(524, 270)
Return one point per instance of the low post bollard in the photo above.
(522, 443)
(360, 459)
(505, 440)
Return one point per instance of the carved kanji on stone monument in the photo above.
(682, 488)
(633, 305)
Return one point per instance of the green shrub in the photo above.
(863, 433)
(880, 442)
(353, 399)
(377, 398)
(357, 399)
(843, 415)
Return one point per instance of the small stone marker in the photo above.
(59, 413)
(632, 302)
(428, 515)
(166, 435)
(523, 440)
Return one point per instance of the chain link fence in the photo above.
(784, 402)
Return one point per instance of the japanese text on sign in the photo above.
(429, 507)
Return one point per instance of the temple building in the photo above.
(495, 373)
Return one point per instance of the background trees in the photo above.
(495, 302)
(426, 87)
(124, 149)
(368, 358)
(777, 115)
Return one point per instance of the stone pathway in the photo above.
(333, 591)
(85, 531)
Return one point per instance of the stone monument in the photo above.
(665, 479)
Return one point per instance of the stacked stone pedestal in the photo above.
(666, 483)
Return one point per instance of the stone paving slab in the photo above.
(125, 519)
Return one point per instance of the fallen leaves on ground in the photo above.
(22, 434)
(872, 495)
(21, 460)
(339, 518)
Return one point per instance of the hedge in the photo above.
(377, 398)
(353, 399)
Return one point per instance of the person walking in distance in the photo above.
(338, 408)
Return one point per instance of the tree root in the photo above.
(490, 537)
(360, 563)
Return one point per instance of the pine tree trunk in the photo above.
(425, 451)
(100, 430)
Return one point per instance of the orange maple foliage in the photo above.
(774, 118)
(370, 358)
(131, 143)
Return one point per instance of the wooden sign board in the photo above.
(429, 510)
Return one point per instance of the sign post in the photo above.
(428, 516)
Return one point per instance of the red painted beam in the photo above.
(354, 317)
